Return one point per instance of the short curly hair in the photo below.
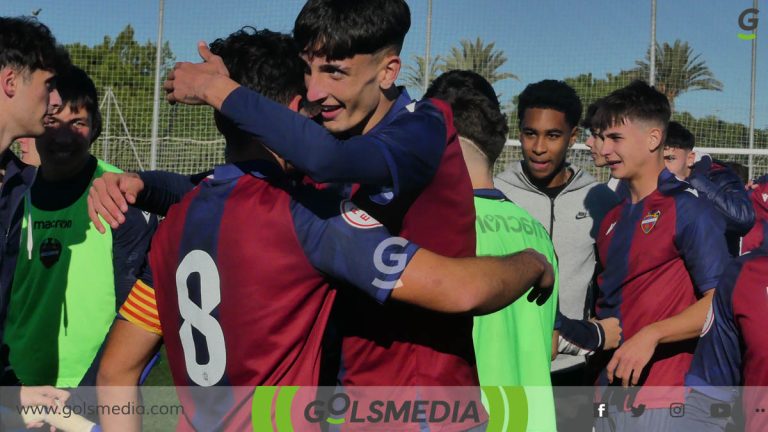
(554, 95)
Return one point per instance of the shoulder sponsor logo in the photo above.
(649, 221)
(357, 217)
(765, 197)
(610, 228)
(708, 322)
(581, 215)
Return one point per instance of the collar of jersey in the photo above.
(257, 168)
(493, 194)
(400, 103)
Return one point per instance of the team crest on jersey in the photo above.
(357, 217)
(649, 221)
(765, 197)
(50, 251)
(709, 321)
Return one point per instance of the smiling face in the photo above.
(631, 148)
(546, 137)
(350, 92)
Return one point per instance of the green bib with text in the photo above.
(514, 345)
(63, 296)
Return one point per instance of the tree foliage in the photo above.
(477, 56)
(679, 70)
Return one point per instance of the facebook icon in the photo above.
(600, 410)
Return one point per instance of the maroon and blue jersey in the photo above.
(241, 268)
(733, 348)
(659, 256)
(412, 177)
(759, 233)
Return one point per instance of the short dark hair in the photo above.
(587, 122)
(476, 111)
(28, 44)
(636, 101)
(339, 29)
(679, 137)
(78, 92)
(264, 61)
(551, 94)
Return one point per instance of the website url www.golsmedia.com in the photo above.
(67, 411)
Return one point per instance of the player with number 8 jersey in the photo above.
(239, 296)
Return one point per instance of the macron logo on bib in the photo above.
(357, 217)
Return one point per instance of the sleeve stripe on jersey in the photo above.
(140, 308)
(144, 302)
(145, 289)
(144, 313)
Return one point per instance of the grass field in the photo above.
(160, 376)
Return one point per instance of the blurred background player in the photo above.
(664, 235)
(29, 59)
(713, 179)
(758, 196)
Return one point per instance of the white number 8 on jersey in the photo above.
(204, 375)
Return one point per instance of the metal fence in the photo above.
(701, 61)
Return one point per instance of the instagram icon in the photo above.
(676, 409)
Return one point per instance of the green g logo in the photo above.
(748, 21)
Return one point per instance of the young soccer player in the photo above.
(29, 59)
(570, 203)
(662, 251)
(404, 155)
(514, 345)
(713, 180)
(274, 265)
(69, 282)
(732, 350)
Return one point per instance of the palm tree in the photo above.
(678, 70)
(414, 75)
(478, 57)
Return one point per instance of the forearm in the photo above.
(118, 396)
(685, 325)
(468, 285)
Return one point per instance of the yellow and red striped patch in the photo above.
(140, 308)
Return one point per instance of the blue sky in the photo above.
(541, 39)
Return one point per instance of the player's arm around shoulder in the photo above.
(342, 240)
